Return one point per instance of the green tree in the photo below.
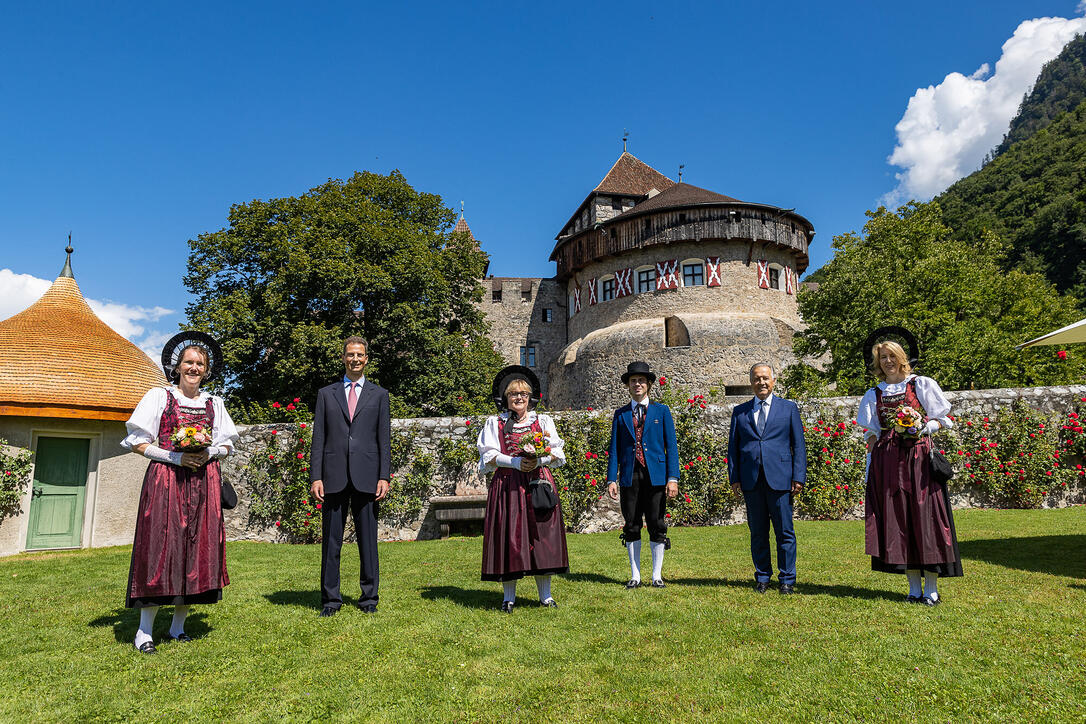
(968, 314)
(290, 278)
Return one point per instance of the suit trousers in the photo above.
(765, 506)
(363, 509)
(643, 500)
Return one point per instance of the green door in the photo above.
(60, 487)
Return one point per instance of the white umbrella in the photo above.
(1070, 334)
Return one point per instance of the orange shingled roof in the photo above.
(633, 177)
(58, 359)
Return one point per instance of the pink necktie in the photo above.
(352, 400)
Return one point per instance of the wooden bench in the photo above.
(450, 510)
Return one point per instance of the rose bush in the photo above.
(14, 478)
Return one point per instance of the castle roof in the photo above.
(58, 359)
(630, 176)
(462, 225)
(677, 196)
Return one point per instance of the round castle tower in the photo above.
(699, 284)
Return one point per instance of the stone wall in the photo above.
(517, 320)
(426, 432)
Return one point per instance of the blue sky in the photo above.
(137, 125)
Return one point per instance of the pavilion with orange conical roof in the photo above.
(68, 383)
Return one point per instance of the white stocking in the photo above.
(147, 621)
(931, 585)
(543, 583)
(178, 626)
(657, 560)
(914, 582)
(510, 590)
(634, 549)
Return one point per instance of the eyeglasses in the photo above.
(517, 395)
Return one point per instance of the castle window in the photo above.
(675, 333)
(694, 275)
(682, 218)
(527, 356)
(496, 295)
(526, 294)
(607, 289)
(548, 314)
(616, 204)
(774, 277)
(646, 280)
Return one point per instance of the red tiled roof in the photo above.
(632, 177)
(462, 225)
(679, 195)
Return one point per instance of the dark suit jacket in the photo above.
(658, 439)
(779, 450)
(361, 445)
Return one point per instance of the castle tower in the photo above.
(699, 284)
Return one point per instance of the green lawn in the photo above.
(1006, 644)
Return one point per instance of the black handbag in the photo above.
(941, 469)
(541, 494)
(229, 496)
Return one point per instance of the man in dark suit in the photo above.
(767, 460)
(643, 467)
(349, 465)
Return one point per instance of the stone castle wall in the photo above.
(427, 433)
(517, 320)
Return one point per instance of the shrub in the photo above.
(836, 461)
(14, 478)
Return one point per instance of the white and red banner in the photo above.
(592, 286)
(712, 271)
(763, 274)
(623, 282)
(789, 280)
(667, 274)
(577, 299)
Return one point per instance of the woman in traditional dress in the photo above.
(518, 538)
(909, 523)
(178, 555)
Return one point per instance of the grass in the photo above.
(1007, 643)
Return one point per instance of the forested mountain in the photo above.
(1032, 194)
(1060, 87)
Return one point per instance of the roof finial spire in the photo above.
(681, 167)
(461, 209)
(625, 135)
(67, 270)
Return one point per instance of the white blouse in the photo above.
(143, 425)
(929, 394)
(490, 443)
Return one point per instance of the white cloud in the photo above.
(131, 322)
(947, 129)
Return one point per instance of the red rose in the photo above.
(1062, 354)
(297, 399)
(275, 432)
(276, 405)
(318, 506)
(271, 457)
(699, 458)
(663, 381)
(290, 405)
(666, 515)
(303, 425)
(277, 524)
(589, 409)
(301, 455)
(467, 422)
(841, 425)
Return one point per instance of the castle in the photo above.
(698, 284)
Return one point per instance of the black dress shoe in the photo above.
(657, 583)
(787, 588)
(182, 638)
(633, 583)
(761, 586)
(147, 647)
(913, 599)
(329, 611)
(369, 608)
(929, 601)
(550, 603)
(507, 607)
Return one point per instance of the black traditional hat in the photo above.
(892, 334)
(171, 353)
(507, 375)
(638, 368)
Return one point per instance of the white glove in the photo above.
(217, 452)
(153, 452)
(507, 461)
(932, 427)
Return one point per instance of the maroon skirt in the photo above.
(178, 555)
(909, 521)
(518, 541)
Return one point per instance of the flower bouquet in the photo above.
(908, 421)
(191, 438)
(535, 445)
